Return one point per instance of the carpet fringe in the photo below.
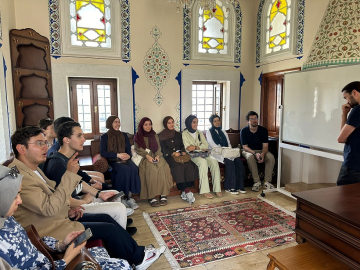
(170, 258)
(277, 206)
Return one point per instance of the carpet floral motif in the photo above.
(206, 233)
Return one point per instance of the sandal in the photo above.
(208, 195)
(219, 194)
(154, 202)
(163, 200)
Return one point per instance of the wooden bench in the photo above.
(304, 257)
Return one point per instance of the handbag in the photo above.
(203, 154)
(52, 255)
(182, 158)
(230, 153)
(135, 157)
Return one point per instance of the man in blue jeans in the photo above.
(350, 135)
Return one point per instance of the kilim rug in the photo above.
(206, 233)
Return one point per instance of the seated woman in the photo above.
(234, 168)
(193, 141)
(115, 147)
(172, 146)
(154, 172)
(16, 248)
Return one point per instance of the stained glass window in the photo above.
(214, 29)
(278, 28)
(90, 23)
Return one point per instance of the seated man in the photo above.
(255, 142)
(47, 125)
(71, 140)
(47, 208)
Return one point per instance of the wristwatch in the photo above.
(97, 194)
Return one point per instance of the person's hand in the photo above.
(157, 158)
(73, 164)
(176, 154)
(87, 198)
(97, 185)
(191, 148)
(123, 156)
(183, 153)
(69, 238)
(346, 108)
(105, 195)
(257, 156)
(262, 155)
(149, 158)
(92, 181)
(76, 212)
(72, 252)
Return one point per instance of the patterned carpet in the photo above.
(210, 232)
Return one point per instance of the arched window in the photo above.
(213, 34)
(280, 29)
(90, 23)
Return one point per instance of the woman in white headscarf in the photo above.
(16, 248)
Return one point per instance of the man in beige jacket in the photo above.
(43, 206)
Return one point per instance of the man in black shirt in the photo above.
(350, 135)
(254, 139)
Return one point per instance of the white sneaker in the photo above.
(188, 197)
(131, 202)
(124, 202)
(256, 186)
(268, 185)
(129, 211)
(232, 191)
(151, 255)
(242, 191)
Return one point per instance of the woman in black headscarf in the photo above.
(234, 168)
(172, 147)
(115, 147)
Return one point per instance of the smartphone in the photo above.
(155, 161)
(116, 196)
(82, 237)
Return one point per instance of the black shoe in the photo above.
(129, 222)
(131, 230)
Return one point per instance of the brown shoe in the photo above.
(219, 194)
(154, 202)
(163, 200)
(208, 195)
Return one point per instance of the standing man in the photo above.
(255, 142)
(350, 135)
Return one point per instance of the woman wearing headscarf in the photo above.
(234, 168)
(115, 147)
(154, 171)
(16, 248)
(194, 140)
(172, 146)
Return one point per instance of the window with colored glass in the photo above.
(90, 23)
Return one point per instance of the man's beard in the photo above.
(353, 102)
(254, 125)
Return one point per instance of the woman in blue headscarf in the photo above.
(234, 168)
(194, 140)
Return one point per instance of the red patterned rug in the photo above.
(205, 233)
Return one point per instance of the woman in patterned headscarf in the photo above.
(154, 171)
(172, 146)
(115, 147)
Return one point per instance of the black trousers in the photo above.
(234, 174)
(118, 242)
(183, 186)
(348, 176)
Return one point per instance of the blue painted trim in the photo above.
(126, 61)
(7, 103)
(0, 45)
(134, 77)
(260, 78)
(56, 56)
(273, 62)
(178, 78)
(242, 80)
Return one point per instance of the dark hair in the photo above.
(66, 130)
(44, 123)
(351, 86)
(60, 121)
(250, 114)
(23, 136)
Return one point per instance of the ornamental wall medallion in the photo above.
(157, 66)
(338, 37)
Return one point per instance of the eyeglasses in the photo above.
(41, 143)
(253, 119)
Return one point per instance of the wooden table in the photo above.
(330, 219)
(303, 257)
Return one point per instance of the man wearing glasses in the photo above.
(255, 142)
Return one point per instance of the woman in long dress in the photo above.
(154, 171)
(172, 145)
(194, 140)
(115, 147)
(234, 168)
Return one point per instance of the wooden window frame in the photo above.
(93, 82)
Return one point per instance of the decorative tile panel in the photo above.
(177, 120)
(238, 34)
(338, 38)
(125, 30)
(0, 30)
(157, 66)
(136, 116)
(54, 24)
(186, 34)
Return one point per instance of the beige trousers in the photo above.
(203, 165)
(252, 164)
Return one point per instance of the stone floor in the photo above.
(253, 261)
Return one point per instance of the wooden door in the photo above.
(272, 89)
(31, 70)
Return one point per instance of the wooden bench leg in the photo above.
(271, 265)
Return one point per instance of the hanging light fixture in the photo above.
(204, 4)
